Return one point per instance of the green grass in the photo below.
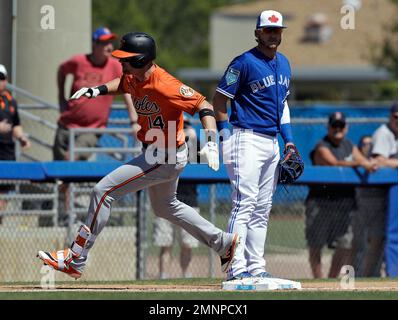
(304, 295)
(123, 295)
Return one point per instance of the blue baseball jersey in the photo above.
(258, 87)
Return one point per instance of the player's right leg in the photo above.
(65, 260)
(166, 205)
(131, 177)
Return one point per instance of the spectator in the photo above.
(88, 70)
(10, 128)
(385, 151)
(165, 232)
(369, 223)
(328, 207)
(385, 141)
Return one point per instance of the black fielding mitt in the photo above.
(291, 166)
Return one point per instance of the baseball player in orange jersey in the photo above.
(160, 100)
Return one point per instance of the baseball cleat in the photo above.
(228, 257)
(240, 276)
(60, 261)
(264, 274)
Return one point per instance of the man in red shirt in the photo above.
(87, 70)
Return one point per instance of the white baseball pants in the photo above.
(253, 172)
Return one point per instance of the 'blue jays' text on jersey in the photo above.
(258, 87)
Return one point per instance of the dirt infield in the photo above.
(317, 286)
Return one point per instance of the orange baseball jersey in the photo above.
(160, 102)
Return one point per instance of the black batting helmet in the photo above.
(138, 48)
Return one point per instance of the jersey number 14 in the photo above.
(157, 123)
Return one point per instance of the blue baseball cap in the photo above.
(394, 107)
(337, 117)
(103, 34)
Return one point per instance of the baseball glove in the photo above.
(291, 166)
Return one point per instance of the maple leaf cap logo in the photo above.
(269, 18)
(273, 19)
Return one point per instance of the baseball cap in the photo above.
(103, 34)
(336, 117)
(394, 107)
(270, 19)
(3, 72)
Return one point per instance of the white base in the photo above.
(261, 284)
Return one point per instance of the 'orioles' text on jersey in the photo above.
(159, 102)
(256, 85)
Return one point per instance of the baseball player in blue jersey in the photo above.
(257, 85)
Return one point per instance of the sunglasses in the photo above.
(272, 30)
(2, 76)
(136, 62)
(395, 116)
(338, 125)
(125, 60)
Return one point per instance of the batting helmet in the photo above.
(138, 48)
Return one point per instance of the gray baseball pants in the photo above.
(161, 181)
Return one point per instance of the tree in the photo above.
(180, 27)
(386, 55)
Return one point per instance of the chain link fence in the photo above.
(46, 216)
(297, 220)
(286, 248)
(36, 216)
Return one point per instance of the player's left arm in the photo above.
(135, 127)
(207, 117)
(220, 107)
(286, 127)
(291, 166)
(208, 120)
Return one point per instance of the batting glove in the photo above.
(210, 153)
(88, 92)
